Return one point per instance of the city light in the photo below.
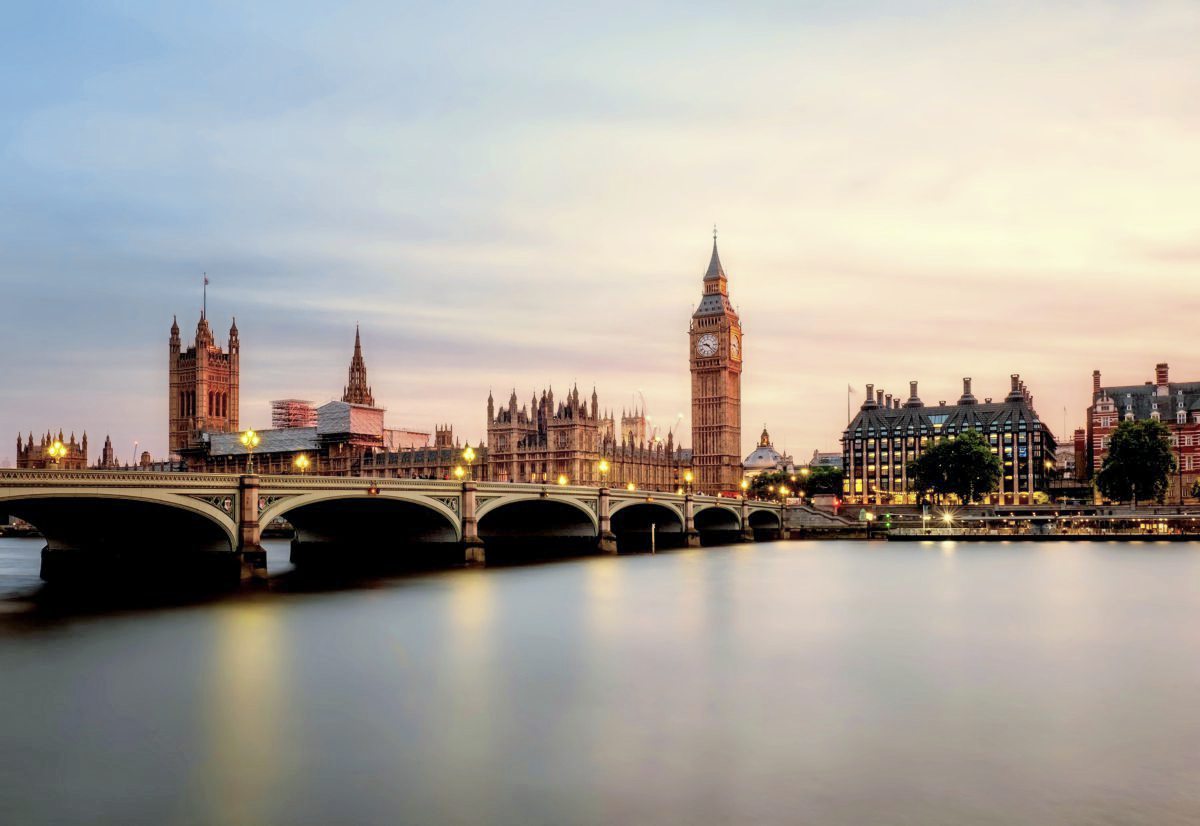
(562, 478)
(250, 440)
(468, 457)
(602, 466)
(459, 473)
(302, 462)
(57, 451)
(630, 486)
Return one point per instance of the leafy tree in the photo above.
(1196, 489)
(1139, 462)
(818, 480)
(964, 467)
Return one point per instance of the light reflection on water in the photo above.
(803, 682)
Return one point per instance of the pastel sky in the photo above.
(522, 194)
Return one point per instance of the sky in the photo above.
(523, 194)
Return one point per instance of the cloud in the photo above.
(921, 191)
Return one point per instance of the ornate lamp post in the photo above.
(469, 457)
(250, 440)
(562, 479)
(630, 486)
(459, 473)
(302, 463)
(687, 480)
(602, 466)
(57, 452)
(745, 486)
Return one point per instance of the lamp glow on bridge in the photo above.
(744, 485)
(687, 479)
(250, 440)
(459, 473)
(562, 478)
(630, 486)
(57, 451)
(602, 466)
(468, 457)
(302, 462)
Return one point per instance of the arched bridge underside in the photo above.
(93, 520)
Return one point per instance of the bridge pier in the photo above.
(607, 541)
(689, 522)
(250, 549)
(747, 531)
(473, 550)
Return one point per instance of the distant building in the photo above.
(425, 462)
(1175, 404)
(820, 459)
(343, 435)
(287, 413)
(37, 456)
(204, 383)
(541, 441)
(886, 435)
(108, 456)
(766, 459)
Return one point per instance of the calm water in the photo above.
(801, 683)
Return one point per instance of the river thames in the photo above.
(805, 682)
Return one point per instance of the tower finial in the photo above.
(714, 233)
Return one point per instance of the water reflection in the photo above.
(247, 747)
(785, 682)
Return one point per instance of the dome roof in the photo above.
(764, 457)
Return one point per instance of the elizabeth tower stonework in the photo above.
(716, 360)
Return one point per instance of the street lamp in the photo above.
(687, 480)
(468, 457)
(57, 451)
(630, 486)
(302, 462)
(250, 440)
(459, 473)
(602, 466)
(745, 486)
(562, 478)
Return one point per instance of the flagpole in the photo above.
(204, 306)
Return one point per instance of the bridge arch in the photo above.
(717, 517)
(105, 534)
(638, 523)
(280, 508)
(523, 526)
(766, 523)
(356, 530)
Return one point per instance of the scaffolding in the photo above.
(288, 413)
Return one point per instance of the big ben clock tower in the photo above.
(716, 359)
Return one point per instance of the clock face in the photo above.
(735, 346)
(707, 345)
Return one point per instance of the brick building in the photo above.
(1175, 404)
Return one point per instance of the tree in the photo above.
(1196, 489)
(818, 480)
(1139, 462)
(964, 467)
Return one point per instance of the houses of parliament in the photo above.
(546, 440)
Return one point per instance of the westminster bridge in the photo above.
(155, 521)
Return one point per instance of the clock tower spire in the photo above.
(715, 339)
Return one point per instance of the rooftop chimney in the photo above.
(1095, 382)
(913, 399)
(888, 398)
(966, 397)
(869, 401)
(1017, 392)
(1160, 374)
(879, 398)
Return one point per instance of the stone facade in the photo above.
(715, 340)
(544, 441)
(37, 457)
(203, 387)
